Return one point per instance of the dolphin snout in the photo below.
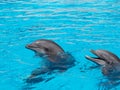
(29, 46)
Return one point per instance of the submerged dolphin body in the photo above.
(54, 56)
(110, 62)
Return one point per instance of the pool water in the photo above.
(76, 25)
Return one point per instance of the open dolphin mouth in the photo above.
(98, 60)
(97, 57)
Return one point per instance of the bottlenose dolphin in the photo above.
(110, 62)
(54, 56)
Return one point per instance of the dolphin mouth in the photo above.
(94, 59)
(93, 52)
(98, 60)
(29, 46)
(34, 49)
(89, 57)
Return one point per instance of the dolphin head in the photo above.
(110, 63)
(44, 47)
(103, 57)
(37, 47)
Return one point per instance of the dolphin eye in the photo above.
(46, 49)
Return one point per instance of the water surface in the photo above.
(76, 25)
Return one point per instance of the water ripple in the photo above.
(77, 25)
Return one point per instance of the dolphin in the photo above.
(110, 62)
(54, 56)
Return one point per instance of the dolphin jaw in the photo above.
(29, 46)
(92, 58)
(98, 60)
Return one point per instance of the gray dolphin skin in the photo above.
(46, 48)
(54, 56)
(110, 62)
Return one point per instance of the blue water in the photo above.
(76, 25)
